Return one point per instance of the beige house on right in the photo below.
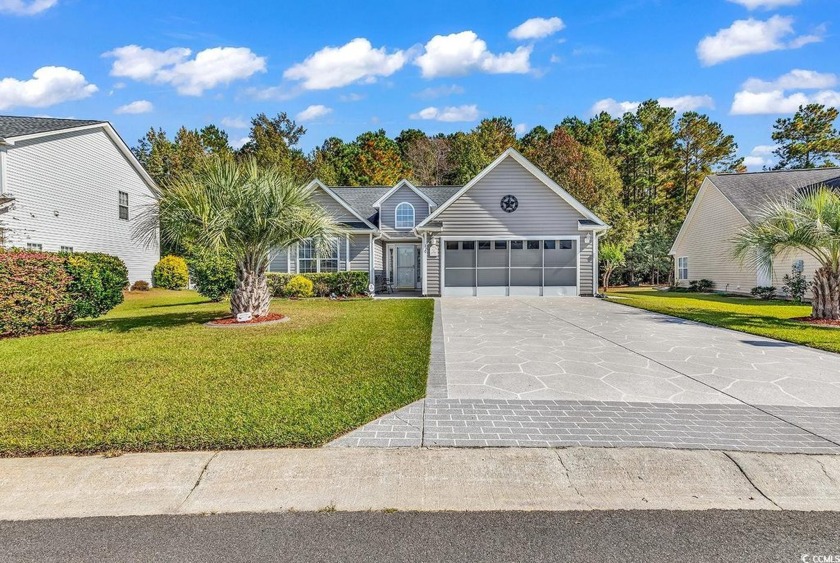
(724, 204)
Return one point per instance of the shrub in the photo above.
(795, 284)
(34, 293)
(140, 285)
(299, 286)
(98, 281)
(214, 275)
(701, 286)
(765, 292)
(340, 283)
(171, 273)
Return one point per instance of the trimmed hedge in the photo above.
(324, 284)
(42, 291)
(214, 276)
(171, 273)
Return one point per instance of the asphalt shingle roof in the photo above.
(361, 199)
(750, 192)
(17, 126)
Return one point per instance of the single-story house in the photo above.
(72, 185)
(511, 230)
(724, 205)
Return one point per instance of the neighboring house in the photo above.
(511, 230)
(724, 205)
(72, 185)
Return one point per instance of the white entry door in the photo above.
(406, 267)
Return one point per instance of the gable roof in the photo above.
(362, 199)
(316, 183)
(397, 186)
(12, 126)
(750, 192)
(536, 172)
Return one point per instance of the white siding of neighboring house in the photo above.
(706, 240)
(66, 190)
(541, 212)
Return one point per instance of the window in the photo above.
(516, 245)
(309, 262)
(682, 268)
(124, 206)
(549, 244)
(565, 245)
(452, 245)
(66, 249)
(484, 245)
(501, 245)
(799, 265)
(533, 245)
(468, 245)
(404, 216)
(34, 247)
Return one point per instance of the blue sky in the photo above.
(348, 67)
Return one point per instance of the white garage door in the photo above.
(511, 267)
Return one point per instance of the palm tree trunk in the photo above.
(826, 288)
(251, 294)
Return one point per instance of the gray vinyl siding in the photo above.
(541, 212)
(331, 206)
(66, 190)
(433, 272)
(360, 252)
(379, 258)
(386, 211)
(279, 262)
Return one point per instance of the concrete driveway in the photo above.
(588, 349)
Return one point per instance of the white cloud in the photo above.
(26, 7)
(439, 92)
(462, 53)
(520, 129)
(334, 67)
(759, 157)
(773, 97)
(448, 114)
(680, 104)
(139, 106)
(313, 112)
(235, 123)
(238, 143)
(48, 86)
(751, 36)
(352, 97)
(191, 77)
(765, 4)
(536, 28)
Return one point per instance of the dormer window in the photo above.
(404, 216)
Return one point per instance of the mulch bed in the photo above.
(266, 319)
(818, 322)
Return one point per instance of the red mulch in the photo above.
(271, 317)
(818, 322)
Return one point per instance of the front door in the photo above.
(406, 267)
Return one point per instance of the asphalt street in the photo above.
(649, 536)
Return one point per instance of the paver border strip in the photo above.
(436, 384)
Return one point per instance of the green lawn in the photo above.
(149, 376)
(764, 318)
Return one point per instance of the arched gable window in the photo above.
(404, 216)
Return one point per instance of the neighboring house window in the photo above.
(34, 246)
(799, 265)
(682, 267)
(309, 262)
(404, 216)
(66, 249)
(124, 206)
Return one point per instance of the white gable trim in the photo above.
(707, 185)
(110, 132)
(398, 185)
(536, 172)
(316, 183)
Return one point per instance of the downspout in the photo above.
(372, 273)
(596, 264)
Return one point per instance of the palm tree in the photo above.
(808, 222)
(243, 210)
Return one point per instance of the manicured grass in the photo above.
(149, 376)
(764, 318)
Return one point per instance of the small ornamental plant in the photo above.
(299, 286)
(171, 273)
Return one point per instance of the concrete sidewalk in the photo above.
(357, 479)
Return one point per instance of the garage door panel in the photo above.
(493, 277)
(525, 277)
(460, 278)
(561, 276)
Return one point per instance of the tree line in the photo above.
(639, 172)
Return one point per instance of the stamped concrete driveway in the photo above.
(588, 349)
